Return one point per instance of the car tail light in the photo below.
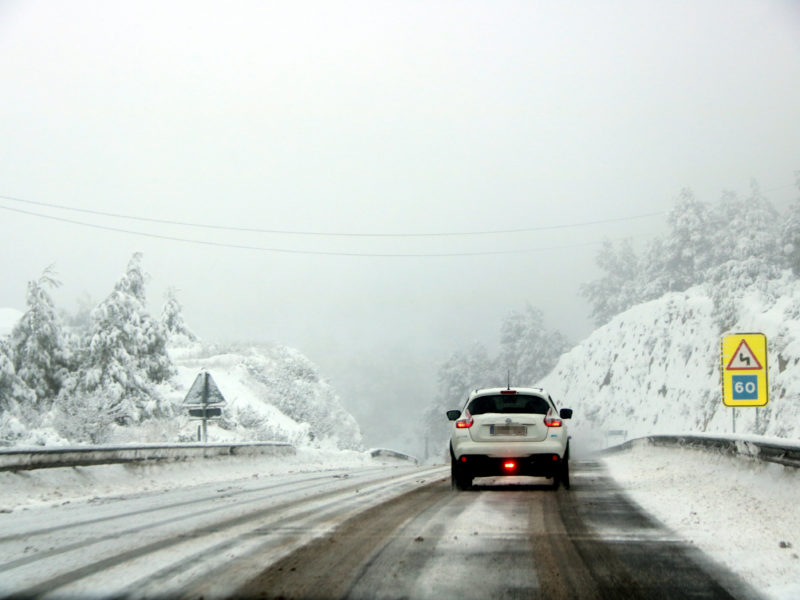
(508, 391)
(510, 465)
(551, 421)
(466, 422)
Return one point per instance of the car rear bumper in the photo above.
(534, 465)
(462, 447)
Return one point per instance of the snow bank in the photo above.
(741, 512)
(655, 368)
(65, 485)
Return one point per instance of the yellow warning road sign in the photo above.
(744, 370)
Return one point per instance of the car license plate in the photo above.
(508, 430)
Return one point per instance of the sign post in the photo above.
(744, 371)
(204, 401)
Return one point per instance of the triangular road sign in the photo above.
(204, 390)
(744, 359)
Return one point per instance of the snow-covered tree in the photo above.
(688, 251)
(40, 358)
(15, 398)
(747, 227)
(620, 287)
(528, 350)
(172, 319)
(462, 372)
(732, 244)
(13, 390)
(292, 383)
(748, 251)
(126, 351)
(790, 234)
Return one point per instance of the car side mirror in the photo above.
(565, 413)
(453, 415)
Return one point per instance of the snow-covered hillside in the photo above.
(656, 367)
(272, 393)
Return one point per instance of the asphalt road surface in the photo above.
(501, 542)
(383, 532)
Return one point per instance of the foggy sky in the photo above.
(377, 118)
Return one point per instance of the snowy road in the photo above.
(207, 538)
(368, 532)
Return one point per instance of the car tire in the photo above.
(565, 469)
(460, 477)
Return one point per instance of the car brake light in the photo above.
(551, 421)
(508, 391)
(509, 465)
(465, 423)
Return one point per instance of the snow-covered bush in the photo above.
(86, 417)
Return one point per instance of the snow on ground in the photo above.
(655, 368)
(273, 393)
(741, 512)
(64, 485)
(229, 372)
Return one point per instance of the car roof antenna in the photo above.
(508, 378)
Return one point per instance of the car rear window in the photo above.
(508, 403)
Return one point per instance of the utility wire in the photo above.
(329, 234)
(291, 251)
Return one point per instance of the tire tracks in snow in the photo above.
(225, 534)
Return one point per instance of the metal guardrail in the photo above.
(25, 459)
(783, 454)
(386, 453)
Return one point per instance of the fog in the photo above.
(558, 124)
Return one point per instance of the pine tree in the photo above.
(790, 234)
(621, 285)
(730, 245)
(16, 399)
(14, 393)
(528, 350)
(40, 358)
(126, 352)
(747, 228)
(748, 251)
(462, 372)
(172, 319)
(689, 247)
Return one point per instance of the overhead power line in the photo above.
(294, 251)
(329, 234)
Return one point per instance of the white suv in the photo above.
(504, 431)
